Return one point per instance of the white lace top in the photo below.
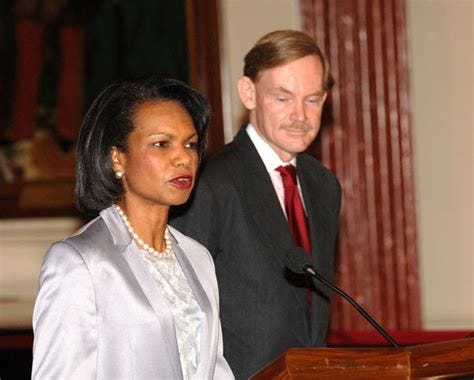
(187, 313)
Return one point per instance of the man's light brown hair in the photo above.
(280, 47)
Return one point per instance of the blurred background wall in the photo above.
(442, 48)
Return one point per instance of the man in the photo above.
(245, 206)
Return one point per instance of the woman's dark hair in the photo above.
(110, 120)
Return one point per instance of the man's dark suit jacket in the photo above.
(236, 214)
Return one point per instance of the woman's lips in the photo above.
(183, 181)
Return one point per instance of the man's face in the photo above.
(286, 103)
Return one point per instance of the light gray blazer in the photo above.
(100, 315)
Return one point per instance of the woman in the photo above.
(128, 296)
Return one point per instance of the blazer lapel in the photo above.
(315, 207)
(146, 284)
(270, 217)
(204, 303)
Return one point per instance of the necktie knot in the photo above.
(288, 175)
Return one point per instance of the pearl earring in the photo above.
(118, 174)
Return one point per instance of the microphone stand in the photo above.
(308, 269)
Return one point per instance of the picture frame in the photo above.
(56, 70)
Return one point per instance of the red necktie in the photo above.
(294, 208)
(296, 218)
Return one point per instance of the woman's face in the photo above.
(161, 160)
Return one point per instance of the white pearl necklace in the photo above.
(141, 244)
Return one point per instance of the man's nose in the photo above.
(299, 111)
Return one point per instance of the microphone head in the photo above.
(296, 260)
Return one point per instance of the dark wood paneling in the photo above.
(204, 61)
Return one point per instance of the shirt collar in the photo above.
(270, 158)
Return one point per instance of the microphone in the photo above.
(296, 261)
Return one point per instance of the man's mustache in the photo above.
(297, 126)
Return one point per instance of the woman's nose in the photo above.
(183, 157)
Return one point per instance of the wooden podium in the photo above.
(441, 360)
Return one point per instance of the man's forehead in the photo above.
(311, 59)
(287, 78)
(309, 66)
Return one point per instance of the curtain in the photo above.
(366, 141)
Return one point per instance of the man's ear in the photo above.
(116, 157)
(324, 96)
(246, 90)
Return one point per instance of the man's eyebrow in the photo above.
(284, 90)
(318, 93)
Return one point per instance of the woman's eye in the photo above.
(161, 144)
(192, 145)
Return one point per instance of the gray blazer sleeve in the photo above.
(222, 369)
(64, 318)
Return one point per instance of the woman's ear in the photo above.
(246, 90)
(117, 157)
